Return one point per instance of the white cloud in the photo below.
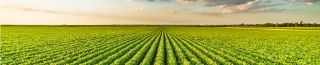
(239, 8)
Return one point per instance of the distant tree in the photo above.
(276, 25)
(268, 24)
(314, 25)
(242, 24)
(301, 23)
(296, 25)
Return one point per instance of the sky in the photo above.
(104, 12)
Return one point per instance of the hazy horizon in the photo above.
(155, 12)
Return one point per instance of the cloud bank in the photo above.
(238, 6)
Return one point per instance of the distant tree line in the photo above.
(297, 24)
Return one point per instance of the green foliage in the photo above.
(160, 45)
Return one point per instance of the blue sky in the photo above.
(100, 12)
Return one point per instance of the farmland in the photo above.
(159, 45)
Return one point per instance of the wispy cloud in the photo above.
(240, 6)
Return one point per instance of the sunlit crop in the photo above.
(158, 45)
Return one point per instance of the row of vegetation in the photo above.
(157, 45)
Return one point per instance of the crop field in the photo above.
(159, 45)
